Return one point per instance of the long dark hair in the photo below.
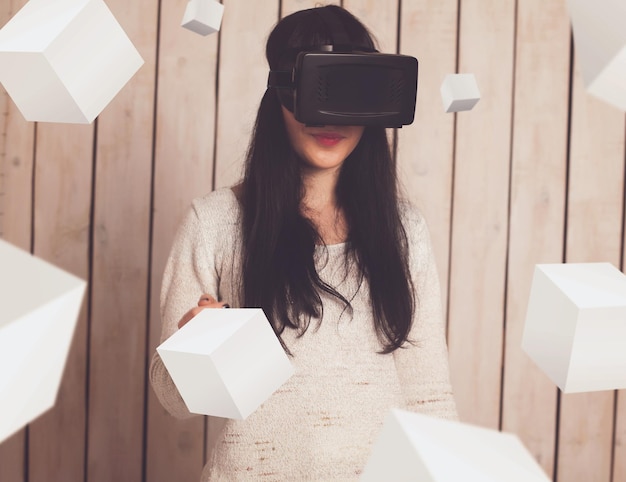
(279, 272)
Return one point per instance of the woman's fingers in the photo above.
(206, 301)
(189, 315)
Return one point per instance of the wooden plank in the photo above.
(594, 233)
(16, 170)
(242, 82)
(425, 148)
(619, 457)
(479, 229)
(120, 261)
(183, 170)
(539, 161)
(63, 174)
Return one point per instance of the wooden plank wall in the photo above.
(534, 174)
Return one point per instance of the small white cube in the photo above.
(418, 448)
(459, 92)
(39, 307)
(65, 60)
(226, 362)
(575, 328)
(600, 41)
(203, 16)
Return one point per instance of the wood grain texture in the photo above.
(63, 175)
(120, 261)
(183, 170)
(480, 215)
(242, 82)
(619, 457)
(16, 171)
(537, 213)
(425, 148)
(594, 233)
(619, 449)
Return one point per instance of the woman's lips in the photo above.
(328, 139)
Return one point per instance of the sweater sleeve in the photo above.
(190, 271)
(422, 365)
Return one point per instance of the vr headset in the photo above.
(342, 86)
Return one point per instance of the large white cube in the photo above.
(226, 362)
(600, 46)
(575, 328)
(419, 448)
(39, 306)
(203, 16)
(65, 60)
(459, 92)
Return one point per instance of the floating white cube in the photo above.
(226, 362)
(600, 46)
(39, 306)
(65, 60)
(203, 16)
(459, 92)
(575, 327)
(419, 448)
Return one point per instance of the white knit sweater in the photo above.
(321, 424)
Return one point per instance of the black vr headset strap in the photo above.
(280, 79)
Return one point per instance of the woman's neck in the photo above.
(320, 205)
(319, 190)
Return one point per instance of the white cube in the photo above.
(419, 448)
(600, 46)
(459, 92)
(39, 307)
(575, 328)
(203, 16)
(226, 362)
(65, 60)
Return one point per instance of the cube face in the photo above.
(551, 320)
(575, 325)
(459, 92)
(600, 40)
(393, 455)
(226, 363)
(598, 360)
(40, 95)
(69, 68)
(39, 309)
(210, 396)
(203, 16)
(415, 447)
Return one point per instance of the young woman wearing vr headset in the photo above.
(316, 234)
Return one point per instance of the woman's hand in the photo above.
(206, 301)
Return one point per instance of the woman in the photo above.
(315, 235)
